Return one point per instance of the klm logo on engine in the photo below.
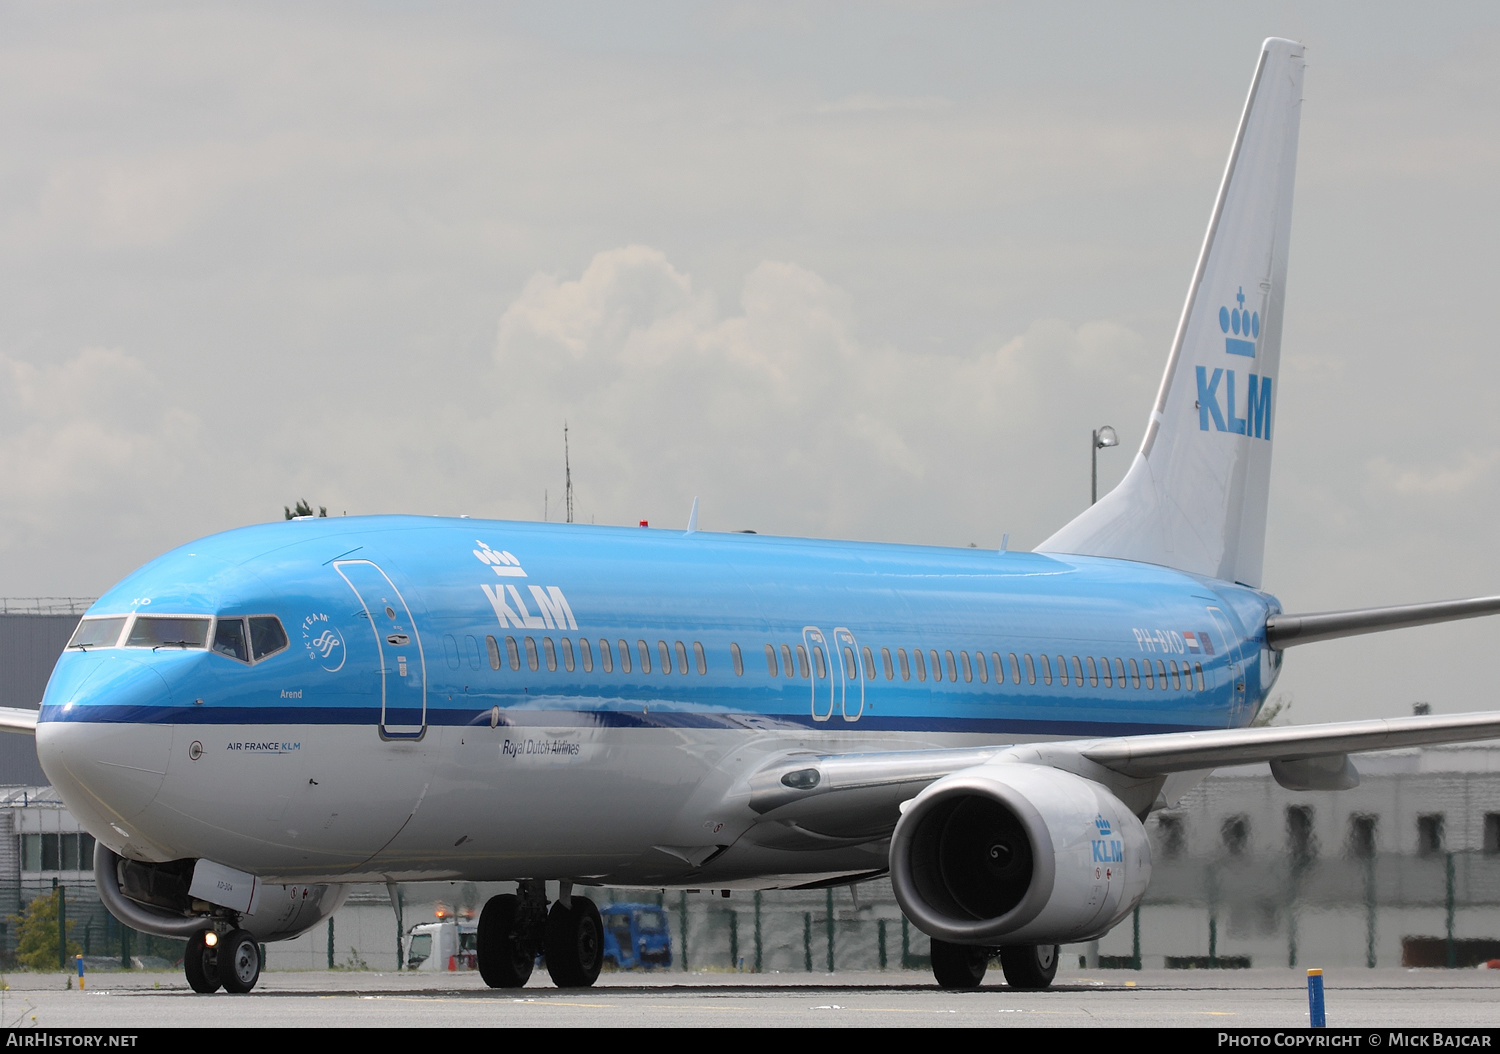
(1107, 850)
(1218, 398)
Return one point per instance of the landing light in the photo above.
(211, 939)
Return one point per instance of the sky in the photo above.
(866, 271)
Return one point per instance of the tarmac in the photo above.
(1259, 998)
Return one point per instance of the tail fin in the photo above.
(1195, 496)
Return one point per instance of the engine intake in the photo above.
(1018, 854)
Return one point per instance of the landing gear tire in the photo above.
(505, 957)
(201, 964)
(959, 966)
(575, 944)
(1029, 965)
(239, 961)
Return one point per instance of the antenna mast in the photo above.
(567, 473)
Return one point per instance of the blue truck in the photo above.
(636, 937)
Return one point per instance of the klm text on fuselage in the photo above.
(1218, 401)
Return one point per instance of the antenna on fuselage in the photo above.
(693, 518)
(567, 473)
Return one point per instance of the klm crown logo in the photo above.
(1242, 323)
(1246, 411)
(1102, 824)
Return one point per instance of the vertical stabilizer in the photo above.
(1195, 496)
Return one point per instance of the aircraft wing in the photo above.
(859, 796)
(17, 719)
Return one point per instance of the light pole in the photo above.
(1102, 437)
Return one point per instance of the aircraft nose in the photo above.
(100, 746)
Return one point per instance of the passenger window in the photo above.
(567, 650)
(821, 661)
(851, 665)
(937, 664)
(921, 663)
(968, 670)
(869, 664)
(905, 666)
(532, 662)
(450, 651)
(606, 656)
(771, 660)
(229, 638)
(586, 654)
(702, 659)
(665, 655)
(951, 666)
(1077, 672)
(1135, 675)
(1030, 670)
(551, 651)
(1015, 670)
(266, 637)
(682, 663)
(984, 667)
(512, 653)
(1093, 673)
(1176, 678)
(802, 667)
(625, 656)
(786, 660)
(1104, 669)
(1062, 670)
(644, 651)
(1046, 670)
(493, 647)
(885, 661)
(1147, 675)
(472, 647)
(1198, 669)
(1161, 675)
(738, 660)
(1120, 673)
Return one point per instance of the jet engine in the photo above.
(1009, 853)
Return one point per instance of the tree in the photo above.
(37, 947)
(304, 509)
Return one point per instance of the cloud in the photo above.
(781, 413)
(1472, 468)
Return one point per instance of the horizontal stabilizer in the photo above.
(1282, 631)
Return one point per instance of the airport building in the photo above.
(1403, 868)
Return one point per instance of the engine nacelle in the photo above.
(1018, 854)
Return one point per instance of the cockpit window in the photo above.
(168, 631)
(97, 633)
(230, 640)
(266, 636)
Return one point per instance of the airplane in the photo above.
(255, 720)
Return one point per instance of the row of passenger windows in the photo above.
(798, 662)
(950, 666)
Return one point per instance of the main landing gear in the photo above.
(960, 966)
(214, 959)
(514, 927)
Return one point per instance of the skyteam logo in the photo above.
(324, 644)
(1241, 328)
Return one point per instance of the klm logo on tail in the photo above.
(1217, 399)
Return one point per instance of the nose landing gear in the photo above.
(230, 960)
